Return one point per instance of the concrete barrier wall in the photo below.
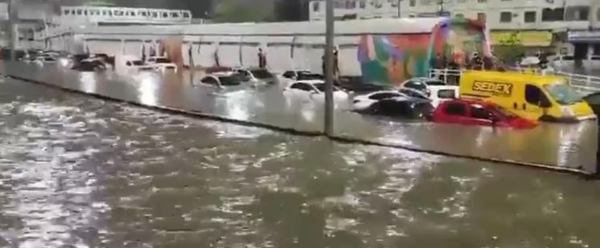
(283, 52)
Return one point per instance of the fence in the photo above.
(585, 84)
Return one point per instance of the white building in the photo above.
(556, 15)
(538, 23)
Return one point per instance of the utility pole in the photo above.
(440, 7)
(399, 9)
(329, 33)
(13, 19)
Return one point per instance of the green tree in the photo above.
(291, 10)
(510, 50)
(243, 11)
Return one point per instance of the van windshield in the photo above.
(563, 94)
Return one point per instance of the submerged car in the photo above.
(161, 63)
(313, 90)
(228, 81)
(479, 113)
(392, 103)
(437, 94)
(423, 84)
(89, 65)
(257, 75)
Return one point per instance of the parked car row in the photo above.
(489, 98)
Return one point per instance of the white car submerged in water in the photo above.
(162, 64)
(433, 89)
(313, 90)
(225, 81)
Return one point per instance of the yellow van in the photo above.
(532, 96)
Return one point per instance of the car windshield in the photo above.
(229, 80)
(261, 74)
(504, 112)
(321, 87)
(446, 94)
(434, 83)
(137, 62)
(563, 94)
(309, 77)
(162, 61)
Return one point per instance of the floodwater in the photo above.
(80, 172)
(571, 146)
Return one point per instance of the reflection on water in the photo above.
(88, 82)
(83, 173)
(269, 106)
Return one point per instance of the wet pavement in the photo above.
(80, 172)
(562, 145)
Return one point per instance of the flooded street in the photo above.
(80, 172)
(571, 146)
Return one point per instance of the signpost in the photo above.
(329, 33)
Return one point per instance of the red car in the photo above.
(472, 112)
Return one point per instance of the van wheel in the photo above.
(548, 118)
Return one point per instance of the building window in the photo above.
(363, 4)
(482, 17)
(482, 1)
(412, 3)
(315, 6)
(338, 5)
(505, 17)
(578, 14)
(553, 15)
(394, 3)
(529, 16)
(351, 4)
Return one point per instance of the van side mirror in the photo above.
(544, 103)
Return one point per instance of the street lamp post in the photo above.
(13, 34)
(399, 9)
(329, 33)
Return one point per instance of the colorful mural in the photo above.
(391, 59)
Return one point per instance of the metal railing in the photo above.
(585, 84)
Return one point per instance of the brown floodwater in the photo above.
(81, 172)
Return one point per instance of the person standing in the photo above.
(336, 64)
(216, 57)
(262, 59)
(190, 58)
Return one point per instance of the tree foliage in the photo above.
(510, 50)
(242, 11)
(291, 10)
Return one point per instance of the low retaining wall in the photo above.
(178, 97)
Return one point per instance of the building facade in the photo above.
(566, 24)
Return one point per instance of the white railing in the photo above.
(124, 15)
(585, 84)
